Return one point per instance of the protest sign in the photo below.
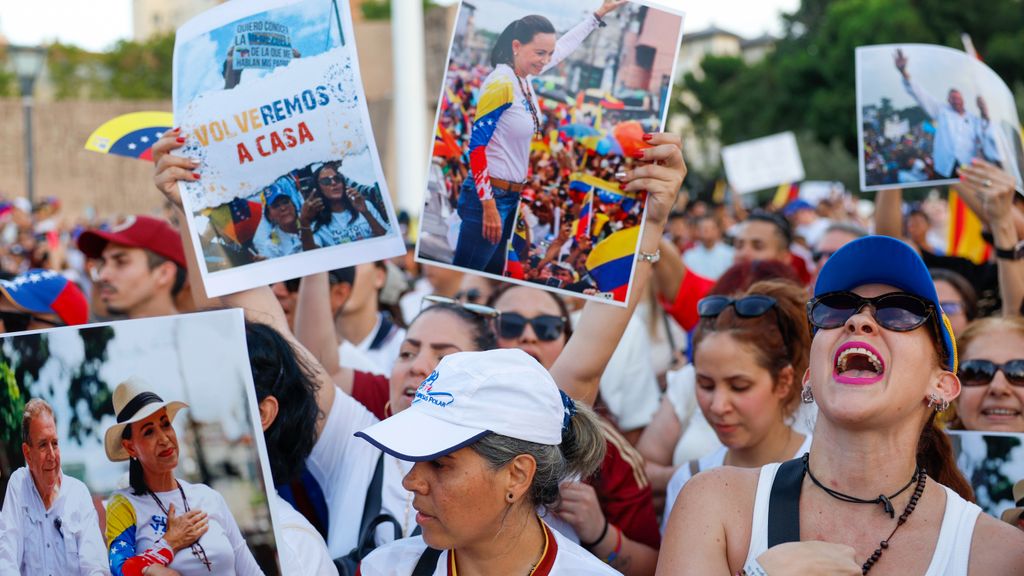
(219, 457)
(545, 144)
(270, 97)
(992, 462)
(923, 111)
(763, 163)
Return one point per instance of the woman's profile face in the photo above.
(154, 442)
(738, 397)
(331, 183)
(531, 57)
(954, 309)
(432, 336)
(997, 407)
(459, 499)
(531, 303)
(861, 372)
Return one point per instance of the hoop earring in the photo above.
(510, 497)
(939, 404)
(806, 395)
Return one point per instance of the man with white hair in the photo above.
(48, 524)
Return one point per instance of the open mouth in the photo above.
(858, 363)
(1000, 413)
(409, 392)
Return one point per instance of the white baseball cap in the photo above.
(468, 396)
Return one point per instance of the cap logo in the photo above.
(128, 223)
(425, 393)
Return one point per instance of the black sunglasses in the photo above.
(331, 180)
(546, 327)
(746, 307)
(896, 311)
(19, 321)
(819, 255)
(981, 372)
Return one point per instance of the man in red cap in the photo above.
(141, 266)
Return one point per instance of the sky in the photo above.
(98, 24)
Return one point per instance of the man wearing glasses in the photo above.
(40, 299)
(48, 524)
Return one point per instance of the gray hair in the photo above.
(581, 452)
(847, 228)
(33, 409)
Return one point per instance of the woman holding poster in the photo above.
(161, 520)
(507, 118)
(348, 212)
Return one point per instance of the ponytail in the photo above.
(583, 444)
(522, 30)
(935, 455)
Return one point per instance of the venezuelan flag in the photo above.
(131, 135)
(611, 262)
(237, 220)
(964, 236)
(581, 227)
(497, 96)
(518, 248)
(607, 192)
(445, 145)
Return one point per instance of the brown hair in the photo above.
(774, 349)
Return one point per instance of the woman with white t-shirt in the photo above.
(491, 437)
(507, 118)
(749, 354)
(348, 212)
(161, 520)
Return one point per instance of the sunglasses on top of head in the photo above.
(979, 372)
(746, 307)
(896, 311)
(547, 327)
(478, 309)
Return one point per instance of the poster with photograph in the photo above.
(923, 111)
(763, 163)
(171, 396)
(530, 133)
(270, 97)
(992, 462)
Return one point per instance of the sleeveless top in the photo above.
(952, 550)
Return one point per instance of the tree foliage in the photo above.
(129, 71)
(808, 84)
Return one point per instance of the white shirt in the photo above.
(400, 557)
(508, 152)
(344, 227)
(709, 263)
(383, 357)
(302, 550)
(29, 540)
(275, 242)
(343, 465)
(952, 549)
(138, 520)
(955, 134)
(712, 460)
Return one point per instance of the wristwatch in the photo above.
(1015, 253)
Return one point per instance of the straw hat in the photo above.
(1010, 516)
(134, 400)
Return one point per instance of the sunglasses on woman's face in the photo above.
(547, 328)
(897, 311)
(981, 372)
(20, 321)
(331, 180)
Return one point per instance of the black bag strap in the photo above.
(371, 507)
(784, 503)
(427, 563)
(694, 467)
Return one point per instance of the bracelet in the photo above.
(651, 257)
(618, 547)
(599, 538)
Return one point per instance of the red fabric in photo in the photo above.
(684, 309)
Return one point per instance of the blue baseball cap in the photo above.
(281, 187)
(795, 206)
(885, 260)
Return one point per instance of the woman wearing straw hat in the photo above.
(491, 437)
(880, 492)
(162, 520)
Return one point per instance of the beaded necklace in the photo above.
(523, 86)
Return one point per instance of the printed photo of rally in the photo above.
(540, 116)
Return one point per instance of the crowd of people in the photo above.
(773, 399)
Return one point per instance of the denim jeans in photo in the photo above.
(472, 250)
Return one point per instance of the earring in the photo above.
(806, 396)
(510, 497)
(939, 404)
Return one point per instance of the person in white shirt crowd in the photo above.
(749, 352)
(161, 520)
(709, 257)
(365, 331)
(436, 280)
(491, 436)
(48, 525)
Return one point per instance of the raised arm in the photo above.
(601, 326)
(993, 189)
(930, 105)
(314, 329)
(572, 39)
(889, 213)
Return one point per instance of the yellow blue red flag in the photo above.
(131, 135)
(611, 262)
